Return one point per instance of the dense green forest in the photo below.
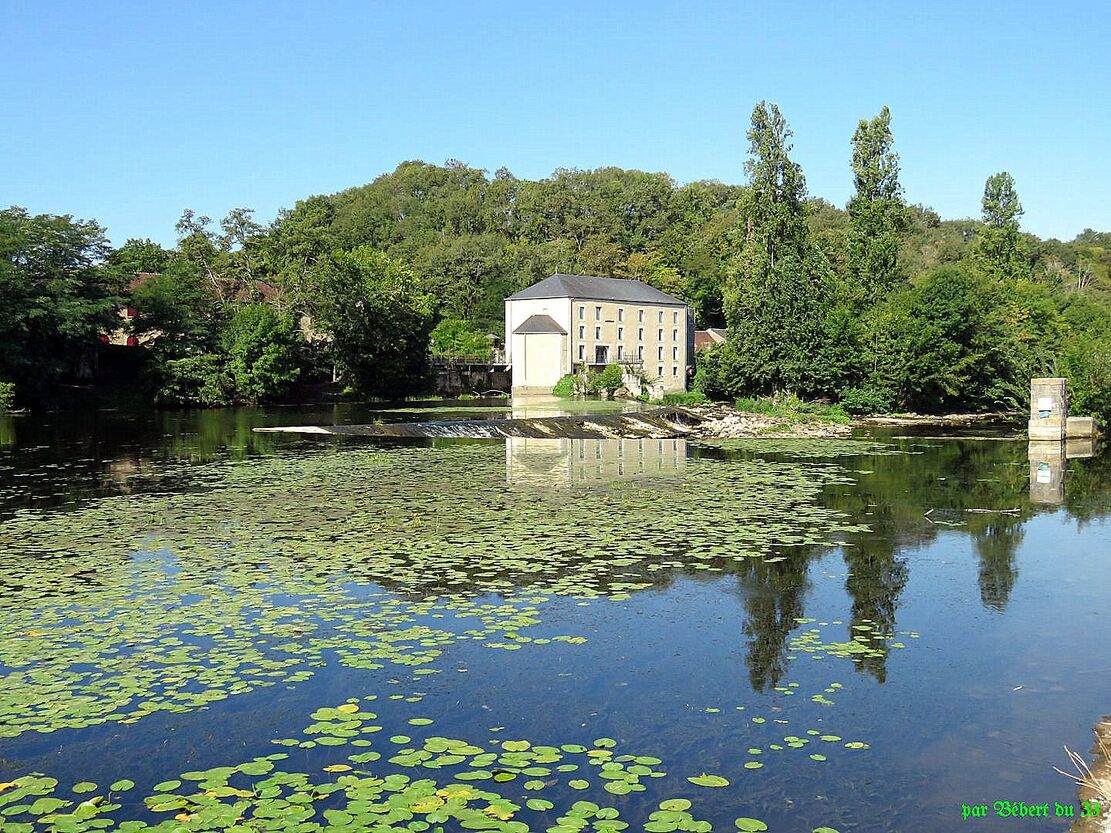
(882, 306)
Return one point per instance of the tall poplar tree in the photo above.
(776, 292)
(1000, 249)
(876, 212)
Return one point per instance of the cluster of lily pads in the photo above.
(349, 795)
(262, 570)
(868, 639)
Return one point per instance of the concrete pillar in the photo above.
(1049, 410)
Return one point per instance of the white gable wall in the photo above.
(516, 313)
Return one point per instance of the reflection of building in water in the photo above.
(565, 462)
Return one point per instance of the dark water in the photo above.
(996, 657)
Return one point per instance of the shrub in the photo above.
(1087, 366)
(196, 380)
(794, 409)
(609, 380)
(869, 399)
(565, 386)
(7, 396)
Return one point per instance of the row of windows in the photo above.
(621, 314)
(639, 354)
(621, 334)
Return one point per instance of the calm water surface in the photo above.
(179, 593)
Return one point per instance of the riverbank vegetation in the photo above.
(882, 306)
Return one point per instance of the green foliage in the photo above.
(1086, 363)
(608, 379)
(876, 211)
(7, 396)
(688, 397)
(776, 297)
(456, 337)
(565, 387)
(136, 256)
(1000, 249)
(195, 380)
(866, 400)
(57, 301)
(942, 344)
(176, 312)
(793, 409)
(379, 319)
(260, 348)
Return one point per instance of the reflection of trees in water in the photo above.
(773, 599)
(997, 541)
(1087, 486)
(876, 580)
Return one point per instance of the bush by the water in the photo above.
(687, 397)
(608, 380)
(793, 409)
(866, 400)
(565, 386)
(7, 396)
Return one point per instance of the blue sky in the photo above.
(130, 112)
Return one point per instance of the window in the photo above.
(660, 353)
(641, 318)
(675, 317)
(674, 335)
(640, 334)
(620, 314)
(597, 332)
(582, 352)
(619, 352)
(597, 313)
(582, 332)
(660, 371)
(675, 354)
(660, 335)
(640, 352)
(675, 370)
(601, 354)
(661, 316)
(582, 313)
(620, 333)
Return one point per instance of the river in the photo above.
(207, 628)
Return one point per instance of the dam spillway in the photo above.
(656, 424)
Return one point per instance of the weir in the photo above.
(660, 423)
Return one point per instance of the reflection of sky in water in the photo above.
(1010, 661)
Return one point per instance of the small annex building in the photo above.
(566, 322)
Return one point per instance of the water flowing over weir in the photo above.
(659, 423)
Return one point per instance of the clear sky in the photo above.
(129, 112)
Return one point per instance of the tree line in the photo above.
(882, 306)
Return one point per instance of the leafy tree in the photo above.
(57, 299)
(455, 337)
(176, 312)
(1000, 248)
(946, 346)
(776, 296)
(379, 318)
(136, 256)
(876, 211)
(260, 348)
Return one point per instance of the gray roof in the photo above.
(596, 289)
(540, 324)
